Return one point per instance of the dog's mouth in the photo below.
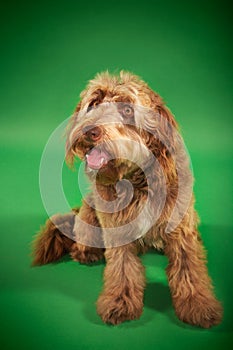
(97, 158)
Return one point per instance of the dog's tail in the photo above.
(54, 240)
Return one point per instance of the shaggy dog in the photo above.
(125, 134)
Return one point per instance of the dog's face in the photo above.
(115, 126)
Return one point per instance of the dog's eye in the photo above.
(128, 111)
(92, 105)
(89, 108)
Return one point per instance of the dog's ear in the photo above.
(164, 129)
(70, 154)
(158, 106)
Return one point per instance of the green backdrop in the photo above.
(49, 51)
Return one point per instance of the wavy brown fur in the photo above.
(50, 245)
(124, 278)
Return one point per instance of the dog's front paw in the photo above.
(86, 255)
(114, 310)
(199, 311)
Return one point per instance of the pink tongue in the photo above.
(96, 159)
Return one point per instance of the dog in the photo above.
(141, 198)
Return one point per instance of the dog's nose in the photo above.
(92, 133)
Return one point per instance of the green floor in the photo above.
(49, 51)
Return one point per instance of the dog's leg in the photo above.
(86, 232)
(190, 285)
(124, 282)
(51, 243)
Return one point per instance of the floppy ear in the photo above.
(167, 129)
(159, 107)
(163, 128)
(69, 146)
(166, 114)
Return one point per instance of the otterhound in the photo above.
(141, 198)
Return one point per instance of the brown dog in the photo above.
(124, 133)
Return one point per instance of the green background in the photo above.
(49, 51)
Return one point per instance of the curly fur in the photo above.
(124, 278)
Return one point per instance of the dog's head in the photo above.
(119, 125)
